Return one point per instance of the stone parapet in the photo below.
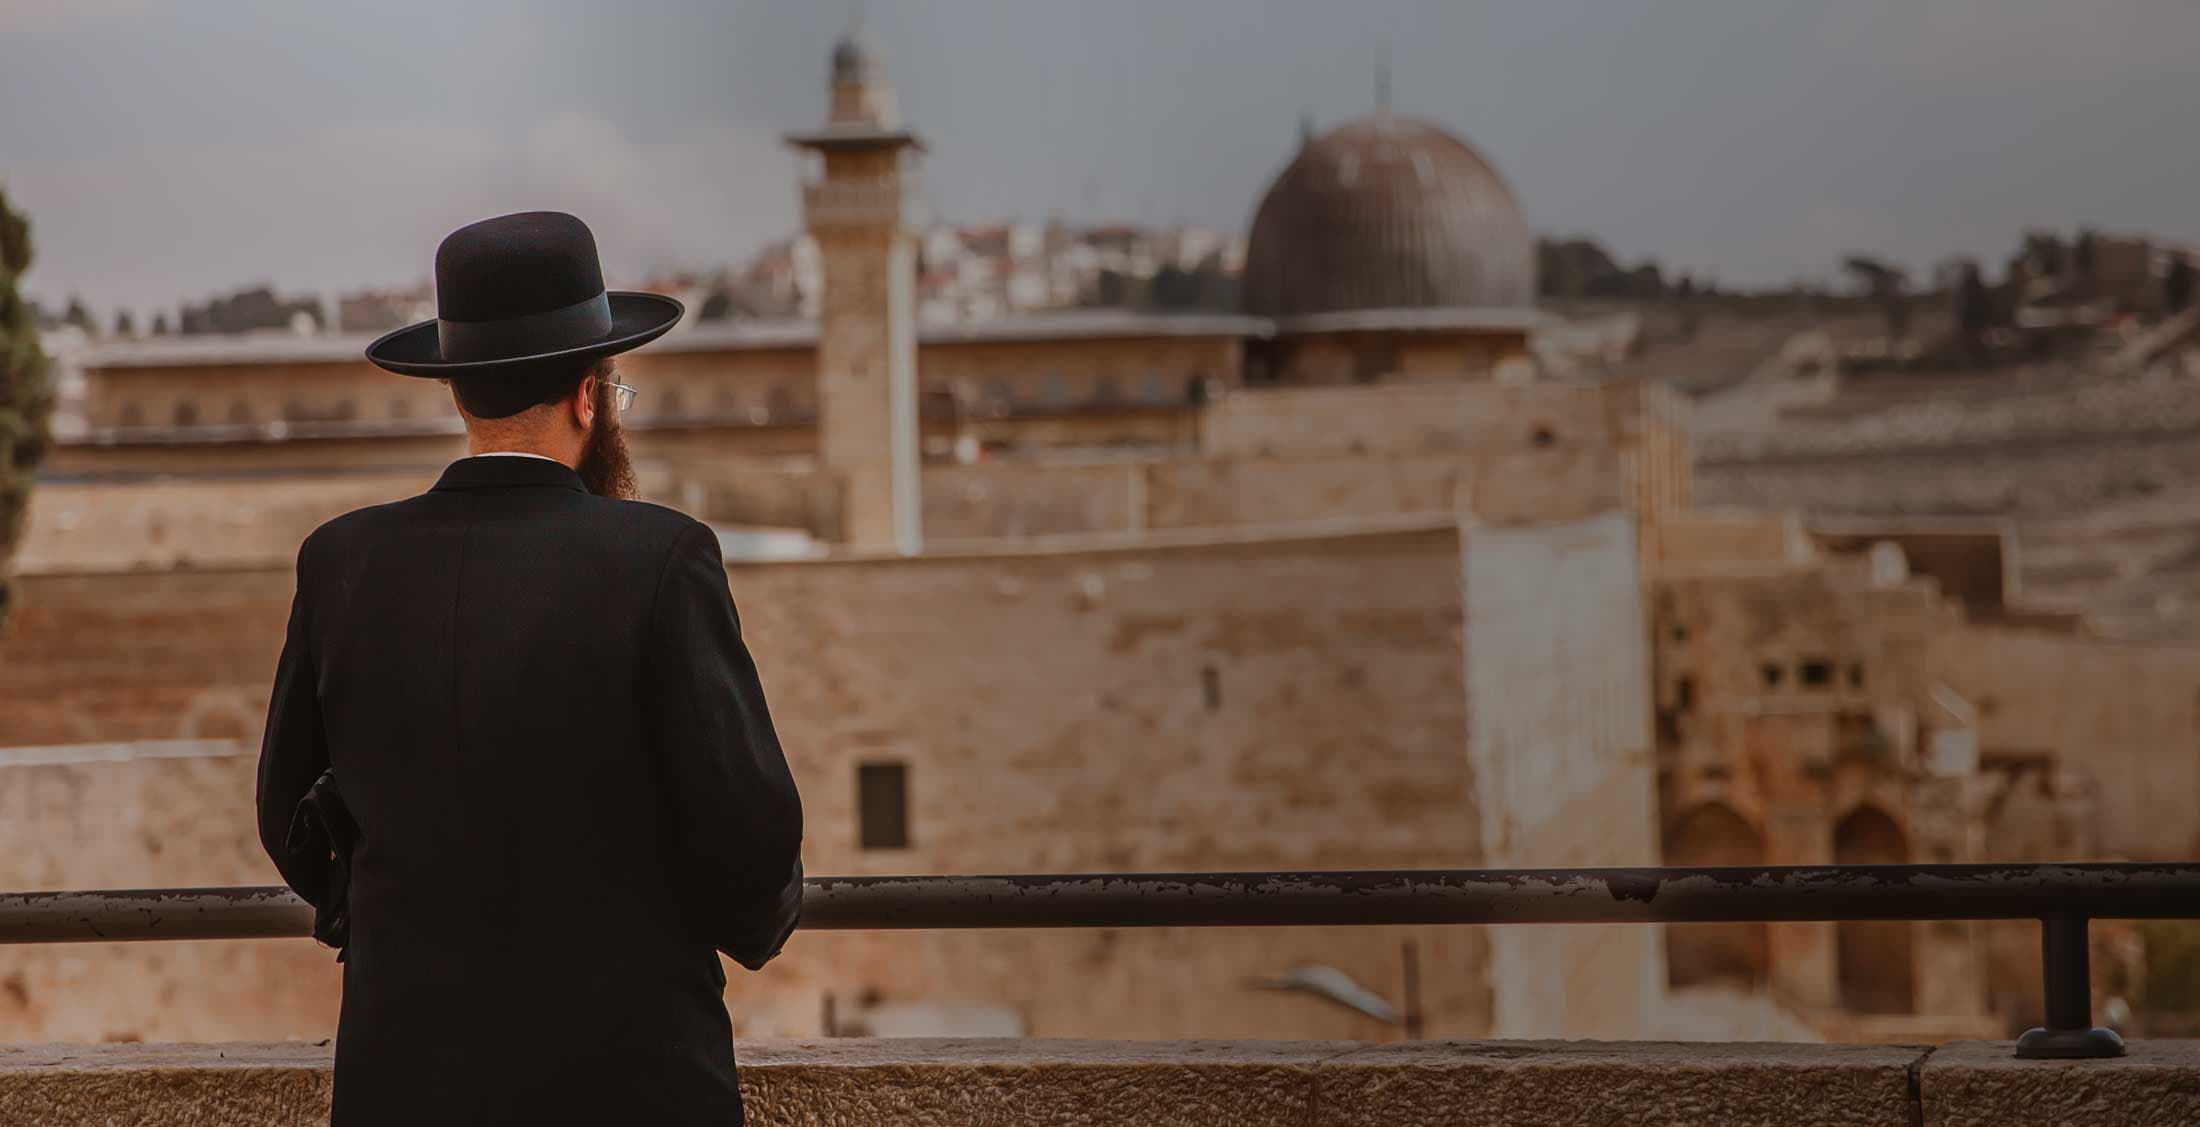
(1979, 1084)
(1221, 1083)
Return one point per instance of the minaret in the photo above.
(857, 208)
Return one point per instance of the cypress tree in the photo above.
(26, 393)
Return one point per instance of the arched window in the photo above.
(1107, 389)
(346, 409)
(1737, 953)
(187, 413)
(130, 415)
(1873, 957)
(1054, 391)
(400, 407)
(240, 411)
(781, 402)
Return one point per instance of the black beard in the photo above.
(605, 468)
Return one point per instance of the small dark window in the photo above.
(1679, 633)
(1816, 673)
(1684, 693)
(1543, 436)
(1107, 389)
(1210, 686)
(882, 805)
(671, 404)
(131, 416)
(780, 402)
(240, 411)
(1856, 675)
(400, 407)
(345, 409)
(1773, 674)
(187, 414)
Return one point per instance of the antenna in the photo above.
(1382, 79)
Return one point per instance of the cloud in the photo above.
(366, 204)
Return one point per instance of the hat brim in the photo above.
(636, 319)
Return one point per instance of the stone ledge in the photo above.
(1701, 1084)
(1982, 1084)
(1219, 1083)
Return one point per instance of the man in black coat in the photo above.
(549, 791)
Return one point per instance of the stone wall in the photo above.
(1261, 704)
(2125, 718)
(1418, 417)
(193, 522)
(1558, 680)
(1224, 1084)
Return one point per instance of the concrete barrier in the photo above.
(1220, 1084)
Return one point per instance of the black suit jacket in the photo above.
(540, 712)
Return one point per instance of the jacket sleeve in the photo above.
(729, 793)
(293, 752)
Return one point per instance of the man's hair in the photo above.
(504, 394)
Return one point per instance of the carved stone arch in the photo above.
(1874, 959)
(1725, 953)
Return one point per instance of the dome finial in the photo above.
(1382, 79)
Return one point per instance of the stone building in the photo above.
(1342, 582)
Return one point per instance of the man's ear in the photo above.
(584, 402)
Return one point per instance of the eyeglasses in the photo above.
(622, 396)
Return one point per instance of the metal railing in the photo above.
(2063, 898)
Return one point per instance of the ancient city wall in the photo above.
(1404, 418)
(1277, 704)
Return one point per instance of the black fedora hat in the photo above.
(517, 292)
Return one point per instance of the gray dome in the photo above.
(1387, 213)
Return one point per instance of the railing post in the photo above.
(2066, 971)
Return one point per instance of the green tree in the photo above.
(1974, 311)
(26, 393)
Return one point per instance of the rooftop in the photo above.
(725, 336)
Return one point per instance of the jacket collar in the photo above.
(499, 473)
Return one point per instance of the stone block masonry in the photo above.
(1007, 1082)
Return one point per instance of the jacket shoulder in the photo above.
(337, 531)
(655, 524)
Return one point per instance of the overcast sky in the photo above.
(174, 150)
